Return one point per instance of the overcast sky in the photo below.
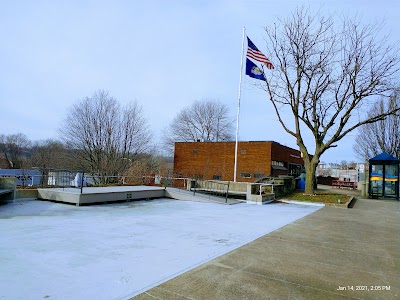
(164, 54)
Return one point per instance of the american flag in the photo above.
(254, 53)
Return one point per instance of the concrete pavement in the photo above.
(331, 254)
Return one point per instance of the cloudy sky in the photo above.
(164, 54)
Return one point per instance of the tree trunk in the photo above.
(310, 176)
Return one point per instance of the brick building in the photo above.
(215, 160)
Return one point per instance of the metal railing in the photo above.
(211, 188)
(46, 177)
(271, 185)
(64, 178)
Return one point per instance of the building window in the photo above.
(277, 163)
(259, 175)
(217, 177)
(295, 169)
(245, 175)
(194, 151)
(243, 152)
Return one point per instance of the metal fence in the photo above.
(50, 177)
(64, 178)
(46, 177)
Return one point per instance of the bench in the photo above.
(7, 188)
(6, 194)
(344, 184)
(4, 191)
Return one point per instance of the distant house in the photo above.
(215, 160)
(340, 173)
(24, 177)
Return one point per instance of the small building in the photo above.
(384, 176)
(216, 160)
(24, 177)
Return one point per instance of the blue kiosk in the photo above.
(383, 176)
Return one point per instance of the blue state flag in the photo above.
(253, 71)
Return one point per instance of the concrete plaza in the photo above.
(331, 254)
(116, 251)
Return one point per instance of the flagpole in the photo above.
(238, 110)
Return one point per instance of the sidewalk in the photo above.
(331, 254)
(329, 189)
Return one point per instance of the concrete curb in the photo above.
(303, 203)
(348, 204)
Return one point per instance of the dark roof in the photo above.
(279, 168)
(384, 158)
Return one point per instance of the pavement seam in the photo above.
(278, 235)
(175, 293)
(299, 284)
(340, 266)
(381, 230)
(155, 297)
(338, 249)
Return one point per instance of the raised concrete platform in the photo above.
(92, 195)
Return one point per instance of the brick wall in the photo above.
(286, 154)
(210, 160)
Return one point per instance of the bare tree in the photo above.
(15, 149)
(326, 80)
(344, 164)
(107, 135)
(52, 154)
(382, 136)
(206, 120)
(146, 166)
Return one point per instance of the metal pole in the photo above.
(83, 174)
(165, 182)
(227, 192)
(238, 111)
(42, 178)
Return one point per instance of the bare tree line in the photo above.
(18, 152)
(328, 76)
(12, 146)
(382, 136)
(103, 137)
